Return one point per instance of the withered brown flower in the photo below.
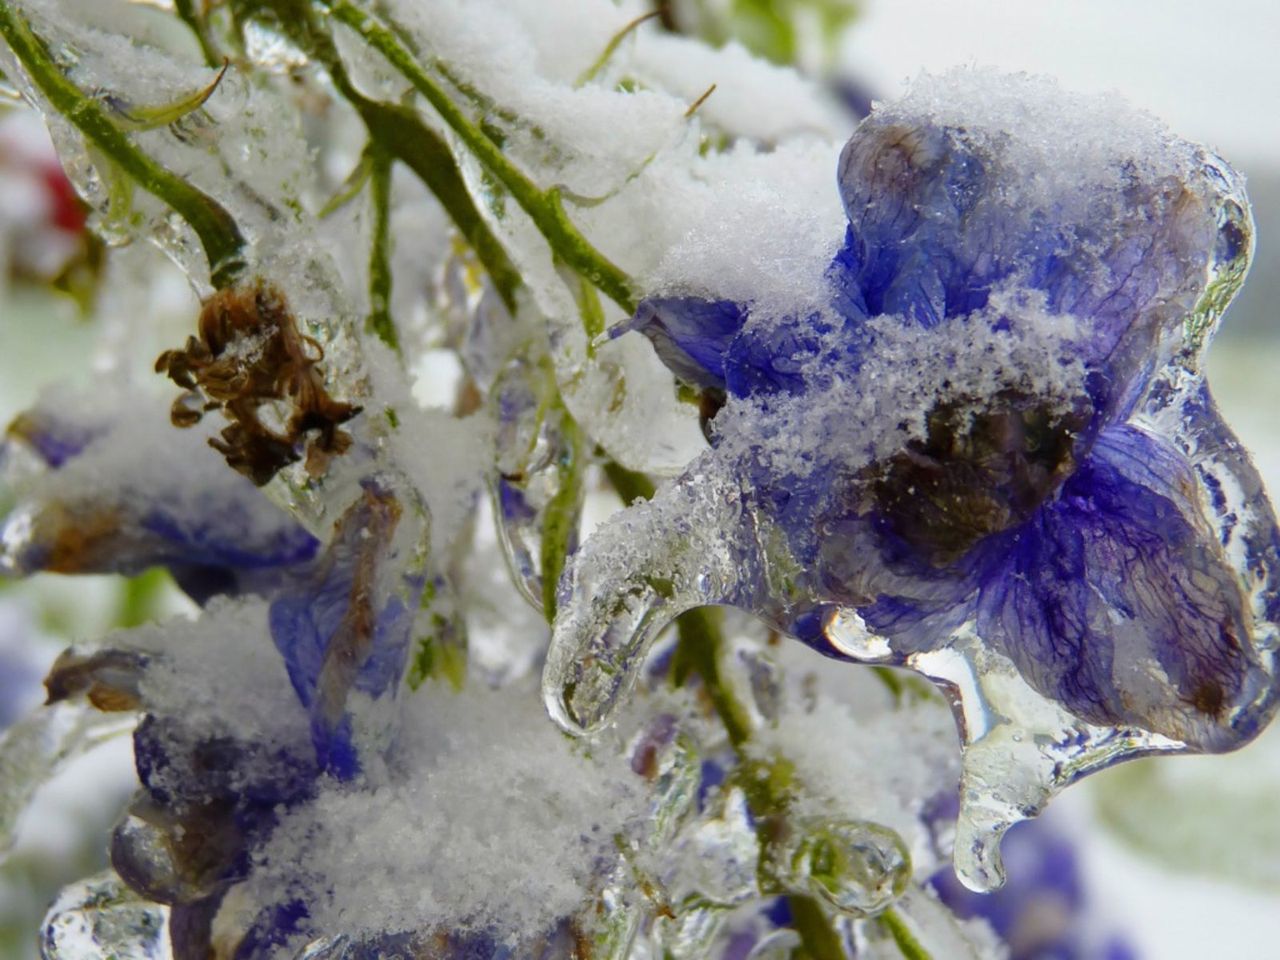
(250, 353)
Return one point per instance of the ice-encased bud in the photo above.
(722, 851)
(537, 492)
(101, 917)
(857, 867)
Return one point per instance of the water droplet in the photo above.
(101, 917)
(856, 866)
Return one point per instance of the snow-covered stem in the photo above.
(219, 235)
(544, 207)
(400, 132)
(699, 650)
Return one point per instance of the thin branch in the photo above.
(544, 207)
(220, 237)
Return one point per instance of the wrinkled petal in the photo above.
(943, 215)
(1117, 601)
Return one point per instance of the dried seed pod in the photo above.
(250, 353)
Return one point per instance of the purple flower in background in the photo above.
(1044, 911)
(995, 419)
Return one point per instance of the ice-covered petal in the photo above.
(345, 625)
(1119, 602)
(690, 335)
(119, 493)
(947, 205)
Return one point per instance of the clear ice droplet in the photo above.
(101, 917)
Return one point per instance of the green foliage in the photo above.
(776, 29)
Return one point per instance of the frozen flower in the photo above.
(100, 490)
(247, 711)
(991, 423)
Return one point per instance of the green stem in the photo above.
(818, 938)
(560, 523)
(630, 485)
(611, 48)
(218, 233)
(544, 207)
(400, 132)
(380, 321)
(140, 598)
(186, 10)
(902, 935)
(699, 650)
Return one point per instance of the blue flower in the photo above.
(996, 423)
(246, 711)
(340, 630)
(104, 494)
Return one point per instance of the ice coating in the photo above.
(100, 916)
(631, 157)
(988, 455)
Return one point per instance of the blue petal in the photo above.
(212, 529)
(1117, 601)
(787, 355)
(55, 439)
(337, 631)
(690, 335)
(933, 234)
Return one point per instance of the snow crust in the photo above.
(492, 824)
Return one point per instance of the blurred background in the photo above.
(1182, 856)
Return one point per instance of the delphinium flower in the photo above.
(295, 798)
(98, 489)
(983, 448)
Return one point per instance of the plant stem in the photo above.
(560, 523)
(217, 231)
(186, 11)
(380, 321)
(818, 938)
(400, 132)
(698, 650)
(902, 935)
(630, 485)
(610, 48)
(544, 207)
